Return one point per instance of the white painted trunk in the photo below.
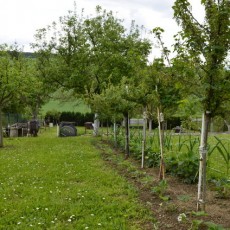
(150, 125)
(115, 133)
(144, 138)
(162, 168)
(96, 125)
(201, 195)
(127, 137)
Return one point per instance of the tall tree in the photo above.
(87, 54)
(13, 78)
(206, 46)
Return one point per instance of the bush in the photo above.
(152, 158)
(183, 165)
(77, 117)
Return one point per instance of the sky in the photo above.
(19, 19)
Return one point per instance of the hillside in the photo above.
(78, 106)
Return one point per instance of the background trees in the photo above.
(85, 55)
(13, 80)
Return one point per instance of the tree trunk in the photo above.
(150, 125)
(144, 137)
(96, 125)
(228, 125)
(162, 164)
(115, 133)
(107, 128)
(126, 116)
(202, 167)
(1, 132)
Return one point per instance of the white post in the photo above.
(96, 125)
(201, 195)
(162, 168)
(57, 130)
(150, 125)
(115, 132)
(144, 138)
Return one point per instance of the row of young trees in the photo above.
(96, 58)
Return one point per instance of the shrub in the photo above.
(152, 158)
(184, 165)
(77, 117)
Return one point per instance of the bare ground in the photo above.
(182, 198)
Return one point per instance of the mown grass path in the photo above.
(62, 183)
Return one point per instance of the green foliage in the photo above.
(184, 164)
(200, 224)
(73, 106)
(55, 116)
(202, 49)
(222, 187)
(161, 189)
(168, 141)
(91, 52)
(184, 198)
(224, 151)
(152, 158)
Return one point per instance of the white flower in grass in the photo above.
(46, 209)
(19, 222)
(99, 224)
(181, 217)
(69, 220)
(92, 214)
(86, 227)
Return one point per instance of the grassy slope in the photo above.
(62, 183)
(65, 106)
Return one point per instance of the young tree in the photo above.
(116, 101)
(206, 46)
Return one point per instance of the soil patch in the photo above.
(177, 200)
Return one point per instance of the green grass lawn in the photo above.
(48, 182)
